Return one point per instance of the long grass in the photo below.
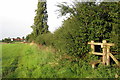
(30, 61)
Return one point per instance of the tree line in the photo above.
(88, 21)
(12, 40)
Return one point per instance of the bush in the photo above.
(30, 37)
(70, 39)
(45, 39)
(48, 38)
(90, 22)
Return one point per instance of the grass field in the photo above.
(30, 61)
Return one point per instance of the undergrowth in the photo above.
(31, 61)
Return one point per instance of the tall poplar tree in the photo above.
(40, 21)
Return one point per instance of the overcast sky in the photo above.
(16, 17)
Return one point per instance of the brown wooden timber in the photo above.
(104, 52)
(107, 44)
(97, 53)
(116, 61)
(93, 63)
(92, 47)
(108, 57)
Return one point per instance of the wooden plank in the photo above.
(92, 47)
(108, 57)
(107, 44)
(116, 61)
(95, 43)
(104, 52)
(93, 63)
(96, 53)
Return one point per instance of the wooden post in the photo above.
(92, 47)
(108, 56)
(104, 51)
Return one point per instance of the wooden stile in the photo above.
(106, 52)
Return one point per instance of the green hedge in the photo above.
(87, 22)
(45, 39)
(91, 22)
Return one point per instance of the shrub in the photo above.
(90, 22)
(30, 37)
(45, 39)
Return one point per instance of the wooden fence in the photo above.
(106, 52)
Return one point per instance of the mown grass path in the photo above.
(30, 61)
(23, 60)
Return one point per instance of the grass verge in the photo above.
(30, 61)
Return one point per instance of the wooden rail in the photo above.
(106, 52)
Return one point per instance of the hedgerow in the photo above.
(88, 21)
